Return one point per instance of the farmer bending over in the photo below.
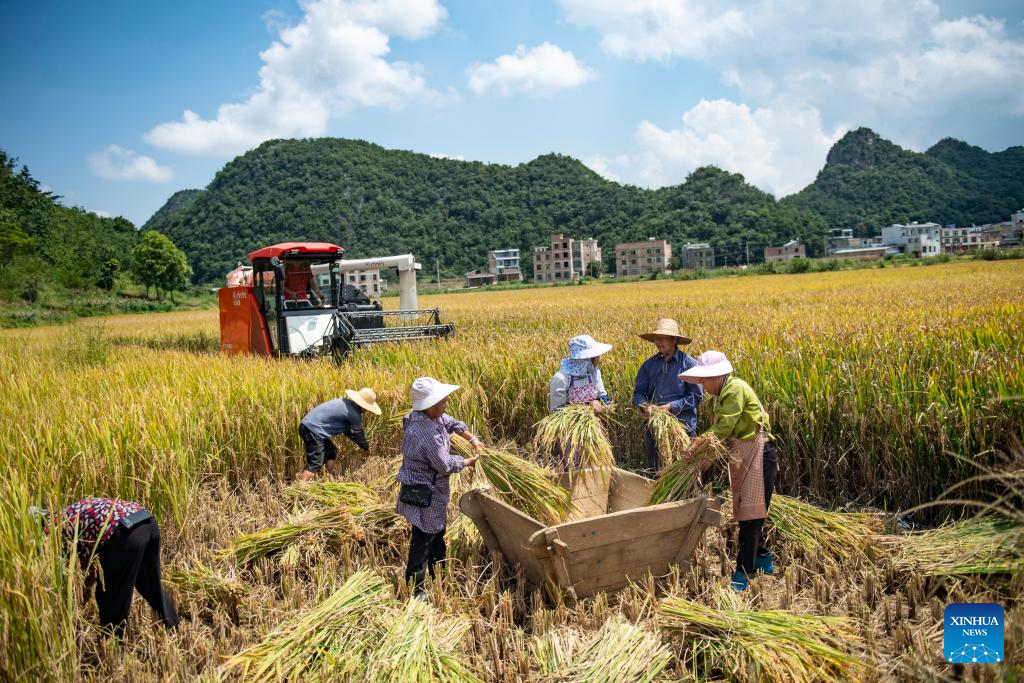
(327, 420)
(124, 537)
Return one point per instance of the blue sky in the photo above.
(95, 95)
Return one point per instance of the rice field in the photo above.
(885, 387)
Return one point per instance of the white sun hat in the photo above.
(427, 391)
(585, 346)
(710, 364)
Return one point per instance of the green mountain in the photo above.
(45, 243)
(182, 199)
(375, 201)
(868, 182)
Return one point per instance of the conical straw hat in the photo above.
(669, 328)
(365, 398)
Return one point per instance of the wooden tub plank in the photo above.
(598, 531)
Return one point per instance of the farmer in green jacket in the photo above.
(741, 422)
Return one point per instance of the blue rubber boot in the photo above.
(764, 564)
(739, 581)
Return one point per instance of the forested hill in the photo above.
(45, 243)
(869, 182)
(375, 201)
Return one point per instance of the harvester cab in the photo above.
(294, 300)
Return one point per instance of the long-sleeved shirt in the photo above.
(657, 381)
(738, 412)
(427, 459)
(337, 416)
(558, 388)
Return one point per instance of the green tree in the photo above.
(157, 263)
(13, 239)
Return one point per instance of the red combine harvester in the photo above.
(294, 301)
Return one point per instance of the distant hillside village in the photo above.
(566, 259)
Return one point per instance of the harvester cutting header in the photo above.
(293, 300)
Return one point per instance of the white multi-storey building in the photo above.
(914, 239)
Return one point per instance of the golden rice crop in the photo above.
(324, 643)
(333, 493)
(574, 433)
(521, 483)
(138, 409)
(810, 528)
(778, 645)
(334, 524)
(418, 646)
(980, 546)
(620, 651)
(679, 479)
(669, 434)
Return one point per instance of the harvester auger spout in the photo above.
(302, 299)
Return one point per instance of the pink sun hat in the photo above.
(710, 364)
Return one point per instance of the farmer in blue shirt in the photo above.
(658, 386)
(327, 420)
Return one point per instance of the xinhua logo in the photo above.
(973, 633)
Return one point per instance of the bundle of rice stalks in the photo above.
(522, 484)
(983, 545)
(575, 435)
(202, 583)
(379, 518)
(620, 651)
(710, 449)
(332, 493)
(670, 436)
(676, 481)
(332, 525)
(418, 646)
(554, 651)
(810, 528)
(462, 537)
(328, 642)
(773, 645)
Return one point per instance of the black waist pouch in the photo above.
(419, 495)
(129, 522)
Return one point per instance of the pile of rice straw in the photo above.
(620, 651)
(774, 645)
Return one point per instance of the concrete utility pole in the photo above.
(439, 273)
(746, 247)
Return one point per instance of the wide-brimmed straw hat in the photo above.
(427, 391)
(365, 398)
(710, 364)
(666, 327)
(585, 346)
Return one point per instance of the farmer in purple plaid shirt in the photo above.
(427, 464)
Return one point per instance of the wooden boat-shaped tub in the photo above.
(613, 537)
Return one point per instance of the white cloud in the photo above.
(778, 150)
(602, 165)
(537, 71)
(329, 63)
(117, 163)
(102, 214)
(659, 29)
(452, 157)
(901, 68)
